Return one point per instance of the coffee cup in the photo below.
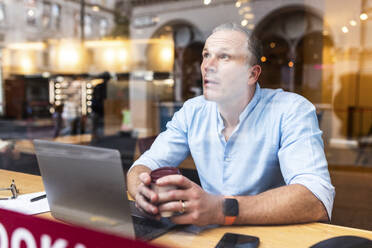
(159, 173)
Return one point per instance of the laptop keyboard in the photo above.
(149, 229)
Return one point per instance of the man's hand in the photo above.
(145, 197)
(200, 208)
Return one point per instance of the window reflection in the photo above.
(103, 27)
(123, 70)
(46, 18)
(151, 51)
(76, 20)
(56, 15)
(2, 12)
(31, 16)
(88, 28)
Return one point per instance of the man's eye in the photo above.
(205, 55)
(224, 56)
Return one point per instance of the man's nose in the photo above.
(210, 64)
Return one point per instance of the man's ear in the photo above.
(255, 72)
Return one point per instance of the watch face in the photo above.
(230, 207)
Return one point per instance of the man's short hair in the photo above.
(254, 44)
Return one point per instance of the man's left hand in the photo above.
(198, 207)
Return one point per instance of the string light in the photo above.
(363, 16)
(353, 23)
(244, 10)
(345, 29)
(95, 8)
(206, 2)
(249, 16)
(30, 12)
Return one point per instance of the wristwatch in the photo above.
(230, 210)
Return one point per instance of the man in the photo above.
(258, 152)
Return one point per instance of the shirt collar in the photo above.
(247, 110)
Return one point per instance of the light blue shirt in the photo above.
(277, 142)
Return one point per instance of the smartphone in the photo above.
(235, 240)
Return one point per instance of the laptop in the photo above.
(86, 186)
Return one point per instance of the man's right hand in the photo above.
(145, 197)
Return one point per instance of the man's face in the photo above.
(225, 68)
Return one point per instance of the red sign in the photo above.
(18, 231)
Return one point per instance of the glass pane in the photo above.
(103, 27)
(2, 12)
(117, 76)
(46, 18)
(31, 16)
(88, 25)
(56, 15)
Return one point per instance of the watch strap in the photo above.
(230, 219)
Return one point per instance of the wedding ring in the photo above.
(183, 207)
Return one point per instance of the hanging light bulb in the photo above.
(206, 2)
(353, 23)
(363, 16)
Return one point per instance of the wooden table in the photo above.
(288, 236)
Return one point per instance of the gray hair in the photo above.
(253, 44)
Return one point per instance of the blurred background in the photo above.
(111, 73)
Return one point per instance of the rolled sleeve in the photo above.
(170, 148)
(301, 154)
(322, 189)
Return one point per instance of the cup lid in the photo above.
(163, 171)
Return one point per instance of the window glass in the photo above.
(46, 17)
(30, 12)
(2, 13)
(103, 27)
(76, 20)
(88, 25)
(31, 16)
(137, 62)
(56, 15)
